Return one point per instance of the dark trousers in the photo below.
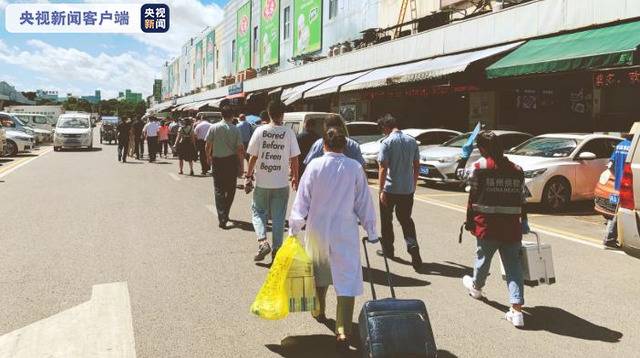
(403, 206)
(225, 172)
(123, 150)
(152, 146)
(164, 147)
(200, 146)
(172, 142)
(139, 149)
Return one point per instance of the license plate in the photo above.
(614, 199)
(424, 170)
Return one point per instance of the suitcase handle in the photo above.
(386, 265)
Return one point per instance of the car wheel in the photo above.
(56, 149)
(12, 148)
(556, 194)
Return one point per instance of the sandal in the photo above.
(180, 172)
(342, 343)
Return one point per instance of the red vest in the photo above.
(496, 201)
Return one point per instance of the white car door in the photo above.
(588, 171)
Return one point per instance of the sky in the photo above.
(81, 63)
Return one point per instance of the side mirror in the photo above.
(419, 142)
(587, 156)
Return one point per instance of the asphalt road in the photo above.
(75, 219)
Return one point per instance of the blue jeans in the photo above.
(270, 203)
(510, 255)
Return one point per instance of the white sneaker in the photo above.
(467, 282)
(515, 317)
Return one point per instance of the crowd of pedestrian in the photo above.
(332, 194)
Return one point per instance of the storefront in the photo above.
(579, 82)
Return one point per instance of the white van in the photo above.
(296, 121)
(628, 214)
(39, 123)
(73, 130)
(211, 117)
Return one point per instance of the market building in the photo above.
(468, 61)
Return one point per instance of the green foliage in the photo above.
(112, 107)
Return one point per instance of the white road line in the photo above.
(24, 162)
(584, 241)
(101, 327)
(174, 176)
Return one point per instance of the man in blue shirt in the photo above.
(351, 150)
(399, 160)
(616, 165)
(246, 129)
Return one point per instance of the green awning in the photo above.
(590, 49)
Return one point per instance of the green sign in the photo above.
(243, 37)
(307, 26)
(208, 66)
(269, 32)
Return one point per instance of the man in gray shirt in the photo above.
(225, 153)
(399, 160)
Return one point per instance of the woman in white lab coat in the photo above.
(333, 195)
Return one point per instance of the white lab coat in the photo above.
(333, 195)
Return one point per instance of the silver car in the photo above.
(439, 163)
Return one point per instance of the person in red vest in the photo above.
(496, 217)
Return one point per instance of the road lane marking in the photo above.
(101, 327)
(174, 176)
(6, 169)
(565, 235)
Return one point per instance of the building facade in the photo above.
(48, 95)
(349, 56)
(129, 96)
(95, 99)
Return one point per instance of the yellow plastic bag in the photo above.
(301, 285)
(272, 299)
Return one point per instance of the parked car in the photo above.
(3, 142)
(439, 163)
(108, 129)
(39, 123)
(16, 124)
(18, 141)
(602, 193)
(425, 138)
(364, 132)
(296, 121)
(211, 117)
(560, 168)
(629, 202)
(73, 130)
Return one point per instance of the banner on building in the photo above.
(176, 78)
(307, 26)
(243, 37)
(269, 33)
(197, 64)
(208, 61)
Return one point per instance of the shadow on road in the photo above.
(129, 162)
(453, 270)
(558, 321)
(94, 149)
(163, 162)
(242, 225)
(380, 278)
(578, 208)
(317, 345)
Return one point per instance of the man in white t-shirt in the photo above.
(273, 149)
(150, 132)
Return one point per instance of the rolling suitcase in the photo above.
(394, 328)
(537, 263)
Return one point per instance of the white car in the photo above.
(560, 168)
(39, 123)
(439, 163)
(73, 131)
(3, 142)
(364, 132)
(425, 137)
(18, 141)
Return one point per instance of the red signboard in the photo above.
(617, 78)
(419, 91)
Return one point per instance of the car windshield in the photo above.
(73, 122)
(19, 121)
(546, 147)
(458, 142)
